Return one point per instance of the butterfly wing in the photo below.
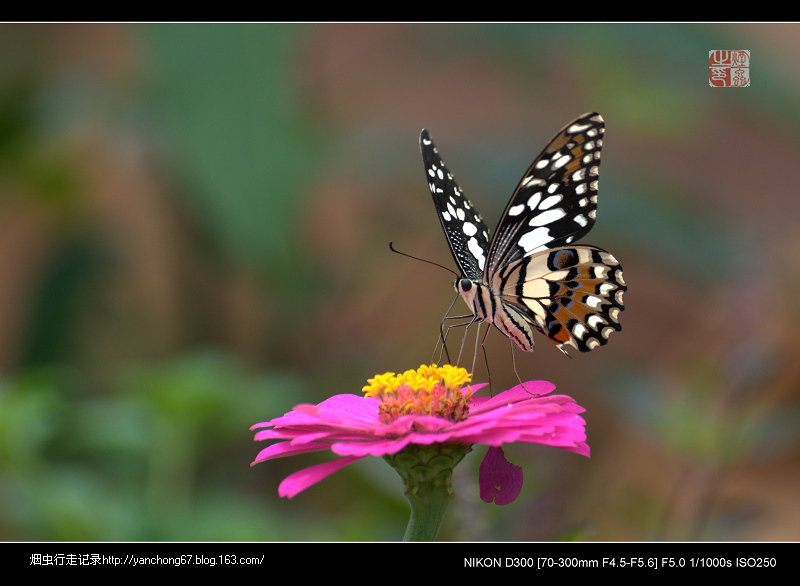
(573, 295)
(555, 203)
(466, 232)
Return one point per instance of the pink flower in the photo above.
(425, 407)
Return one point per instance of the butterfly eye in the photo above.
(465, 285)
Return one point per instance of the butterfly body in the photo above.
(530, 275)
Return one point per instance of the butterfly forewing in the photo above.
(555, 203)
(466, 231)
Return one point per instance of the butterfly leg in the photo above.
(443, 336)
(485, 357)
(464, 339)
(475, 354)
(514, 364)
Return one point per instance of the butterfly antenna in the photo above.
(430, 262)
(442, 335)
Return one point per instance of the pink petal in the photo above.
(581, 448)
(534, 388)
(349, 411)
(301, 480)
(285, 449)
(374, 447)
(499, 480)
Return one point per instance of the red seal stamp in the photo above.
(728, 68)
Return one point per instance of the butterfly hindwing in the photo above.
(573, 295)
(466, 232)
(555, 202)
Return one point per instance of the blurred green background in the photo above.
(194, 229)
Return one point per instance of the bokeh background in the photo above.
(194, 230)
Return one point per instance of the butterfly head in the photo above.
(473, 294)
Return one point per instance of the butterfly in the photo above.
(530, 275)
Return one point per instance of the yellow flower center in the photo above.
(429, 390)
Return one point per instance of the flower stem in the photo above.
(427, 473)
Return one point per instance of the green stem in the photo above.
(427, 514)
(427, 473)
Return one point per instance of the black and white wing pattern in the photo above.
(530, 275)
(466, 232)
